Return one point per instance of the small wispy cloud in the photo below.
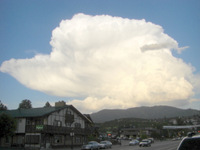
(182, 49)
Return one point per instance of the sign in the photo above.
(39, 127)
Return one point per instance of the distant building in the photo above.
(59, 126)
(173, 121)
(136, 132)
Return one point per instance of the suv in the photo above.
(192, 142)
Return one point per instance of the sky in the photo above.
(100, 54)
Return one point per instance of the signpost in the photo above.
(72, 138)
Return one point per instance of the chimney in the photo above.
(60, 104)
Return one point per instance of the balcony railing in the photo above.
(55, 129)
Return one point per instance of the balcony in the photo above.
(48, 129)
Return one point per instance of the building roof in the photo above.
(39, 112)
(89, 117)
(31, 112)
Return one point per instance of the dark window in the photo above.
(32, 139)
(77, 125)
(57, 123)
(7, 140)
(28, 122)
(77, 140)
(69, 117)
(57, 139)
(38, 121)
(190, 144)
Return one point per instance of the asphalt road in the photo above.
(158, 145)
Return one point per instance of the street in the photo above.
(158, 145)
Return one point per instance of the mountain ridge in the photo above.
(144, 112)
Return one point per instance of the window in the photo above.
(77, 125)
(69, 118)
(32, 139)
(57, 123)
(38, 121)
(77, 140)
(7, 140)
(45, 121)
(28, 122)
(57, 139)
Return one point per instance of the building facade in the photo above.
(137, 132)
(59, 126)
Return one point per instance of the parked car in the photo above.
(145, 143)
(133, 142)
(92, 145)
(151, 139)
(191, 142)
(102, 145)
(175, 139)
(105, 144)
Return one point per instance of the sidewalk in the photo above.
(66, 148)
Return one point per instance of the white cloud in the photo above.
(110, 62)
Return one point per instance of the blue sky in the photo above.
(26, 31)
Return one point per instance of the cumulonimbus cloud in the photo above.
(109, 62)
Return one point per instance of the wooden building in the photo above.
(59, 126)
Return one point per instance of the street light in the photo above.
(72, 135)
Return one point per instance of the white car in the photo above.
(145, 143)
(91, 146)
(105, 144)
(133, 142)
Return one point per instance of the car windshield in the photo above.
(190, 144)
(103, 142)
(90, 143)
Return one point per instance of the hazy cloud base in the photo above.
(109, 62)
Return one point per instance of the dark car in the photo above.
(145, 143)
(92, 145)
(192, 142)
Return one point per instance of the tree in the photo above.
(7, 125)
(25, 104)
(143, 135)
(2, 106)
(180, 121)
(47, 104)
